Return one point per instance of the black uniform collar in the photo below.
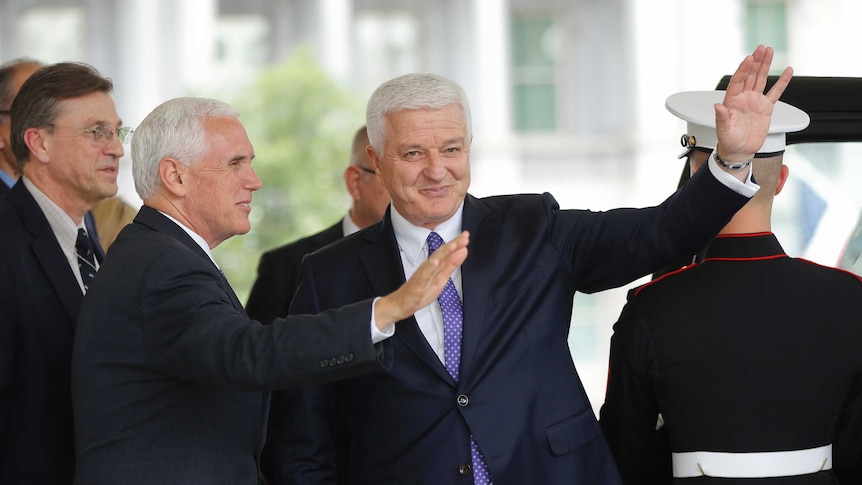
(760, 245)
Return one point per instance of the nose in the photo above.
(115, 147)
(252, 180)
(436, 167)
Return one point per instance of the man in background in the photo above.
(12, 76)
(67, 139)
(278, 271)
(748, 356)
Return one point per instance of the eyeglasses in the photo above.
(5, 111)
(102, 135)
(367, 170)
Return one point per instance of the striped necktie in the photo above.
(86, 258)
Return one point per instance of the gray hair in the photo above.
(7, 71)
(412, 91)
(173, 130)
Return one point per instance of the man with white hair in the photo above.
(170, 376)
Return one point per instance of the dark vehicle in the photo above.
(818, 216)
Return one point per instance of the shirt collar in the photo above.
(195, 237)
(7, 179)
(63, 226)
(348, 227)
(413, 239)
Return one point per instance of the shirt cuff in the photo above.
(378, 335)
(748, 189)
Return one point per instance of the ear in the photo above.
(352, 179)
(782, 177)
(372, 155)
(37, 144)
(173, 176)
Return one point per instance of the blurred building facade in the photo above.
(567, 96)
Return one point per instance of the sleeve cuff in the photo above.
(748, 189)
(378, 335)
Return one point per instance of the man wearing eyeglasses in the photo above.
(67, 139)
(12, 76)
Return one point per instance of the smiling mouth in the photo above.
(436, 191)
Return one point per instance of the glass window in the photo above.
(817, 214)
(535, 47)
(766, 23)
(66, 27)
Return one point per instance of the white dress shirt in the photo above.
(64, 228)
(413, 247)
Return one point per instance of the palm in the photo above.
(742, 120)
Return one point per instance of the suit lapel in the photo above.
(47, 251)
(483, 224)
(381, 259)
(158, 222)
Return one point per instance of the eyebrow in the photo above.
(448, 142)
(103, 123)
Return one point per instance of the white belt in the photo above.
(752, 465)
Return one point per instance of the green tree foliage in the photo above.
(301, 124)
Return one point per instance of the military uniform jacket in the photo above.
(748, 351)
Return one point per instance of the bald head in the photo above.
(12, 76)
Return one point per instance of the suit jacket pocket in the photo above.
(572, 433)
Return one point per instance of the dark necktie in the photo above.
(453, 324)
(86, 258)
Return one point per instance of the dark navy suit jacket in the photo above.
(519, 393)
(170, 377)
(39, 303)
(277, 280)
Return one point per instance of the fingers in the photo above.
(753, 72)
(452, 254)
(721, 113)
(738, 80)
(763, 67)
(780, 85)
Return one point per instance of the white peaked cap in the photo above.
(697, 109)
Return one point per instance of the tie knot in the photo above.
(434, 242)
(82, 244)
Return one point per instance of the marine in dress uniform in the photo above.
(745, 359)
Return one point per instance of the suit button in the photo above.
(464, 470)
(322, 362)
(348, 357)
(463, 400)
(340, 359)
(332, 361)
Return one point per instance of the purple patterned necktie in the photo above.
(453, 324)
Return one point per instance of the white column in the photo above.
(495, 167)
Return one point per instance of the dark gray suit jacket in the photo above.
(170, 376)
(277, 280)
(39, 302)
(278, 274)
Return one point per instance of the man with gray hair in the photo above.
(484, 389)
(170, 377)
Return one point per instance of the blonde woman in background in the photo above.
(112, 214)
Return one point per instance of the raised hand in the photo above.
(425, 285)
(742, 120)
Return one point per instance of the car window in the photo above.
(817, 215)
